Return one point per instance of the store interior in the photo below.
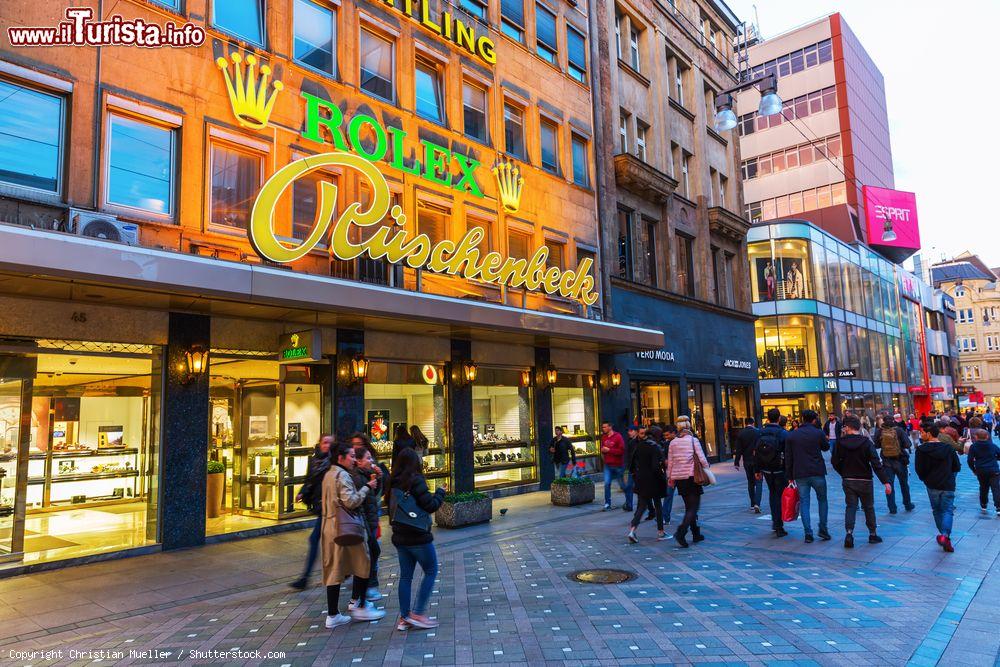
(503, 445)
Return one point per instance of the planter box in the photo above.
(567, 495)
(456, 515)
(213, 494)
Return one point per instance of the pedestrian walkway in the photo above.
(503, 596)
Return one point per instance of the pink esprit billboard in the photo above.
(891, 217)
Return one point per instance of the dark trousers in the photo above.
(313, 547)
(776, 483)
(897, 468)
(358, 588)
(859, 490)
(374, 551)
(692, 502)
(988, 481)
(754, 486)
(652, 504)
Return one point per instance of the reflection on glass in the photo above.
(31, 133)
(315, 35)
(239, 17)
(781, 270)
(658, 403)
(140, 165)
(701, 405)
(574, 408)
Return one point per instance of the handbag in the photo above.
(791, 501)
(406, 512)
(702, 475)
(350, 526)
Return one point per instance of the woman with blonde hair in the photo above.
(680, 475)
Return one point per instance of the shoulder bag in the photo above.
(406, 512)
(350, 524)
(702, 475)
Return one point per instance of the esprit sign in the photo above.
(891, 217)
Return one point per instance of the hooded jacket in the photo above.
(855, 458)
(936, 465)
(804, 449)
(983, 455)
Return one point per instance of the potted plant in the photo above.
(464, 509)
(216, 487)
(567, 491)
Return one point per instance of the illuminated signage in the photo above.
(655, 355)
(841, 373)
(891, 218)
(300, 346)
(248, 94)
(741, 364)
(452, 29)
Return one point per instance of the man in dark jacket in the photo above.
(891, 438)
(936, 464)
(805, 467)
(983, 456)
(832, 430)
(563, 453)
(855, 459)
(746, 440)
(631, 441)
(769, 464)
(646, 467)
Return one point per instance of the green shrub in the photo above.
(216, 467)
(466, 497)
(571, 481)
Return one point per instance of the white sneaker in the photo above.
(373, 594)
(334, 621)
(369, 613)
(353, 604)
(632, 538)
(983, 510)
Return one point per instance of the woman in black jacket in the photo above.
(646, 468)
(401, 440)
(413, 544)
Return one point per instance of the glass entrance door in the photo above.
(736, 406)
(701, 405)
(12, 473)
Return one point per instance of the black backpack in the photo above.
(767, 454)
(312, 488)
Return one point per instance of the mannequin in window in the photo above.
(795, 285)
(770, 279)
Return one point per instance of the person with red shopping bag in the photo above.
(791, 502)
(806, 470)
(769, 462)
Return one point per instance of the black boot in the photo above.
(696, 535)
(679, 537)
(300, 583)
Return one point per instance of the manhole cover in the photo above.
(602, 576)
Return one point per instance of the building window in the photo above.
(513, 130)
(685, 173)
(31, 137)
(518, 244)
(557, 254)
(512, 19)
(305, 202)
(140, 165)
(377, 66)
(623, 119)
(685, 264)
(723, 187)
(959, 291)
(633, 49)
(316, 36)
(640, 140)
(428, 91)
(786, 347)
(486, 245)
(550, 146)
(545, 34)
(649, 249)
(712, 175)
(433, 221)
(474, 7)
(730, 284)
(172, 4)
(797, 61)
(619, 26)
(474, 108)
(581, 173)
(624, 243)
(800, 107)
(576, 50)
(236, 176)
(242, 18)
(964, 315)
(679, 77)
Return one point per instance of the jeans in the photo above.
(313, 547)
(612, 473)
(818, 485)
(754, 486)
(988, 481)
(776, 483)
(833, 443)
(896, 467)
(561, 469)
(426, 555)
(668, 504)
(374, 551)
(943, 507)
(629, 490)
(641, 507)
(855, 490)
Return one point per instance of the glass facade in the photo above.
(502, 430)
(574, 408)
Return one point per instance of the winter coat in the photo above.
(746, 440)
(855, 458)
(340, 561)
(646, 468)
(983, 456)
(312, 488)
(936, 465)
(369, 507)
(804, 449)
(403, 443)
(837, 429)
(564, 451)
(680, 458)
(407, 536)
(615, 457)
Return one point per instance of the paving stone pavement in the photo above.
(503, 597)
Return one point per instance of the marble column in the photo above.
(348, 395)
(460, 395)
(543, 419)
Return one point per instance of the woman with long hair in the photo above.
(340, 561)
(680, 475)
(401, 440)
(410, 505)
(420, 441)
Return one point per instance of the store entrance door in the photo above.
(14, 396)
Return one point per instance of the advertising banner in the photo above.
(891, 218)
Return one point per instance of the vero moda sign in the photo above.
(891, 217)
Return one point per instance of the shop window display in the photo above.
(781, 270)
(701, 406)
(736, 402)
(574, 408)
(503, 442)
(786, 347)
(656, 403)
(403, 396)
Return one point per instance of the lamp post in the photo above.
(770, 101)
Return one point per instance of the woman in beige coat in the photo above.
(339, 562)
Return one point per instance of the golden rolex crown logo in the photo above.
(295, 340)
(248, 93)
(509, 183)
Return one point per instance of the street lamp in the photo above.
(888, 235)
(770, 101)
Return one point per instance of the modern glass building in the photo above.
(831, 334)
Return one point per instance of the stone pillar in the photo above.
(185, 424)
(614, 401)
(348, 395)
(543, 419)
(460, 418)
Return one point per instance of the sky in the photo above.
(939, 61)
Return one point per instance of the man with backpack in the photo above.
(892, 440)
(743, 449)
(769, 464)
(855, 460)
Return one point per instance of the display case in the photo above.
(574, 408)
(503, 441)
(76, 475)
